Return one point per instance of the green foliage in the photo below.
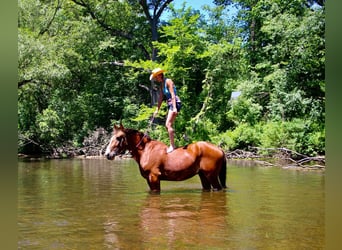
(84, 66)
(50, 126)
(243, 110)
(202, 130)
(297, 135)
(182, 54)
(224, 140)
(245, 136)
(274, 135)
(144, 112)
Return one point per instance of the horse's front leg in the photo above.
(154, 181)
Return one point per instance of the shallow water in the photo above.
(101, 204)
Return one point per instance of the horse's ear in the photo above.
(121, 126)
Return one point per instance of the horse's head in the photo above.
(117, 144)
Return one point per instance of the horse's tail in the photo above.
(223, 172)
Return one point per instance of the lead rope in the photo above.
(146, 132)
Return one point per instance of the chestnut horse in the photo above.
(202, 158)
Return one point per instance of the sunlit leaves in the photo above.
(50, 126)
(84, 64)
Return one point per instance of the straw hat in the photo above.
(156, 72)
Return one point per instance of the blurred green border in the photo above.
(8, 107)
(8, 57)
(333, 183)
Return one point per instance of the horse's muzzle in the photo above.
(110, 156)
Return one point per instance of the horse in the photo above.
(155, 164)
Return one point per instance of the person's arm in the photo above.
(169, 84)
(160, 100)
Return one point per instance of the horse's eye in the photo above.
(119, 139)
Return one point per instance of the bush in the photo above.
(50, 127)
(245, 136)
(273, 135)
(224, 140)
(244, 111)
(312, 141)
(299, 135)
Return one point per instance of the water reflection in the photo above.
(100, 204)
(186, 219)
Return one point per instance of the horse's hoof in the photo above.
(155, 191)
(206, 190)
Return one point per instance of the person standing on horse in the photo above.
(167, 88)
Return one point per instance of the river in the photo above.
(101, 204)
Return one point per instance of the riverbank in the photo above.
(94, 146)
(279, 157)
(286, 160)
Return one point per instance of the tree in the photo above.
(107, 13)
(80, 69)
(157, 8)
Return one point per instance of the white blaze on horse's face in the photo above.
(116, 145)
(108, 149)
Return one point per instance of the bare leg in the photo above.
(171, 116)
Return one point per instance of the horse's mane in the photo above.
(130, 131)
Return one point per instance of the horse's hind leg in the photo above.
(205, 182)
(213, 179)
